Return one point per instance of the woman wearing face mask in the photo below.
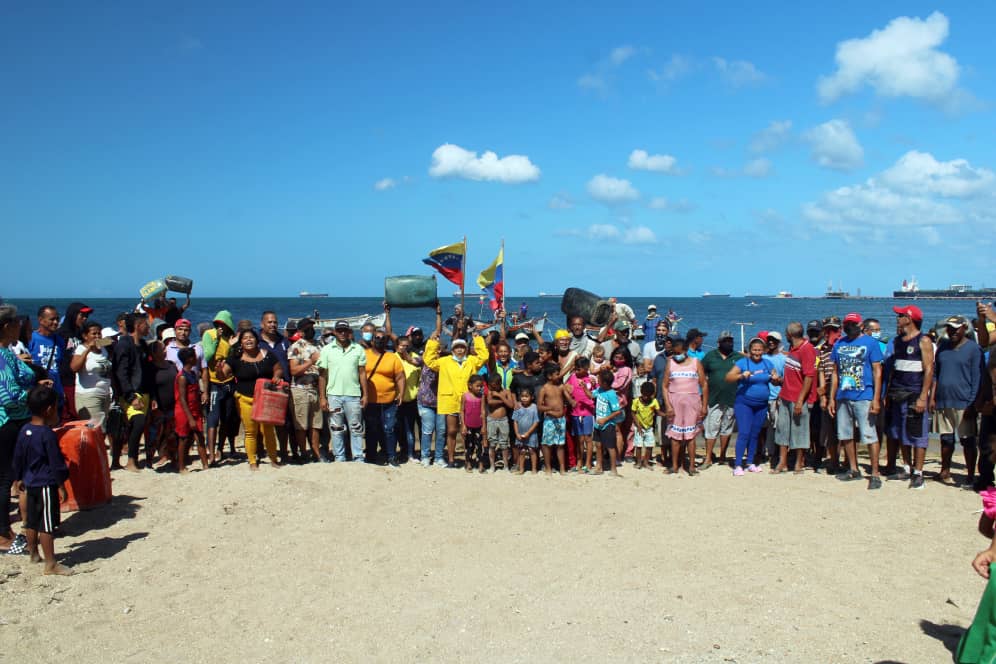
(386, 374)
(686, 401)
(454, 372)
(752, 374)
(249, 366)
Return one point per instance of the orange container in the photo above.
(83, 447)
(269, 402)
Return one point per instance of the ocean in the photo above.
(711, 315)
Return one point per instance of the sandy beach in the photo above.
(360, 563)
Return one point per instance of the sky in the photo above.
(631, 149)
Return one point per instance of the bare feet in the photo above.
(253, 466)
(56, 568)
(132, 467)
(778, 469)
(35, 558)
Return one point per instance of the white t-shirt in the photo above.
(95, 377)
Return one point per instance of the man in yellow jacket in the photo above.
(454, 372)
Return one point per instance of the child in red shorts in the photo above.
(188, 422)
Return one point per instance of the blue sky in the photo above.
(637, 150)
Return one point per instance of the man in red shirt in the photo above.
(796, 399)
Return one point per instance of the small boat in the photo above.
(355, 322)
(752, 303)
(783, 295)
(305, 293)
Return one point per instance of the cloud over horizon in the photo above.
(450, 160)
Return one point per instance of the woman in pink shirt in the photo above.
(686, 401)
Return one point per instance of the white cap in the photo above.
(169, 333)
(108, 332)
(651, 307)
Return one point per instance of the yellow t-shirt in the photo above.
(383, 378)
(412, 376)
(644, 413)
(220, 354)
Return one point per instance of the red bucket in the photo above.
(269, 402)
(83, 447)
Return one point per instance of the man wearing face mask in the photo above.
(302, 356)
(854, 396)
(720, 418)
(387, 376)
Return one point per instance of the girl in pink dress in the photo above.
(686, 400)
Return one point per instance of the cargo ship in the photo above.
(839, 294)
(305, 293)
(708, 294)
(911, 290)
(542, 294)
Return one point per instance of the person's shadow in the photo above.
(99, 518)
(99, 549)
(947, 634)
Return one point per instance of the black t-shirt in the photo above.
(247, 373)
(165, 377)
(521, 381)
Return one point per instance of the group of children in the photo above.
(493, 420)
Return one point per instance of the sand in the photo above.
(360, 563)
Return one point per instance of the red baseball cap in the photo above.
(852, 317)
(183, 322)
(763, 335)
(86, 310)
(910, 310)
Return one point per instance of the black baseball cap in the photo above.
(814, 325)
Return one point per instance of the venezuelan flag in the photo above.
(492, 281)
(448, 261)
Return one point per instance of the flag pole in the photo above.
(463, 280)
(503, 277)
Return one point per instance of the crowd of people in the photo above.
(590, 401)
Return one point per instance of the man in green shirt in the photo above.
(719, 419)
(342, 386)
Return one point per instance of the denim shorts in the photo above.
(851, 413)
(582, 425)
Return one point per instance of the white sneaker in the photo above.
(442, 464)
(426, 462)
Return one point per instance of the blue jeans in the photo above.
(381, 422)
(432, 423)
(346, 410)
(407, 420)
(750, 419)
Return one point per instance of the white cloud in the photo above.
(681, 205)
(677, 67)
(385, 184)
(918, 193)
(835, 146)
(738, 73)
(599, 78)
(771, 137)
(453, 161)
(561, 201)
(698, 237)
(920, 172)
(639, 235)
(640, 160)
(758, 168)
(611, 191)
(900, 60)
(613, 234)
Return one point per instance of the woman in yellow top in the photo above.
(408, 410)
(454, 372)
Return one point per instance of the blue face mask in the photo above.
(876, 335)
(679, 358)
(367, 336)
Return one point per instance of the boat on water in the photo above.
(911, 290)
(752, 303)
(838, 294)
(708, 294)
(783, 295)
(542, 294)
(355, 322)
(305, 293)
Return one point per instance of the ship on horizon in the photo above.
(542, 294)
(839, 294)
(305, 293)
(911, 290)
(708, 294)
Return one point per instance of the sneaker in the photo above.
(19, 546)
(738, 471)
(849, 475)
(753, 469)
(426, 462)
(874, 483)
(393, 463)
(916, 482)
(901, 474)
(441, 464)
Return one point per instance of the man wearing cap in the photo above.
(650, 322)
(827, 446)
(796, 398)
(854, 396)
(302, 356)
(719, 418)
(343, 389)
(693, 341)
(217, 385)
(181, 339)
(521, 347)
(957, 379)
(907, 396)
(621, 328)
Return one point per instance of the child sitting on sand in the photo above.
(39, 471)
(499, 404)
(525, 423)
(608, 413)
(472, 409)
